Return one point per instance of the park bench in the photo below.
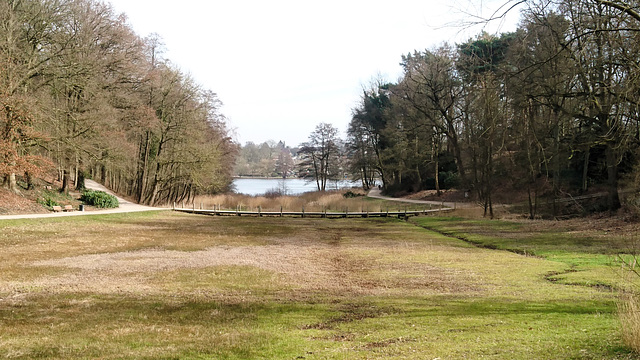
(68, 208)
(57, 208)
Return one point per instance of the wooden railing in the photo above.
(317, 214)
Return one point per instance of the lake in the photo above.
(292, 186)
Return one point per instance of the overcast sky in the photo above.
(282, 67)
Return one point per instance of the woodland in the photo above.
(82, 95)
(549, 111)
(546, 112)
(268, 159)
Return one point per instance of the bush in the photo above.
(450, 179)
(350, 194)
(48, 202)
(274, 193)
(99, 199)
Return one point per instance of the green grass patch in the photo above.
(233, 279)
(590, 259)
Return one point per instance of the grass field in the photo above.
(591, 250)
(169, 285)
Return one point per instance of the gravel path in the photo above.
(376, 193)
(125, 207)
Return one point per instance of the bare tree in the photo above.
(321, 154)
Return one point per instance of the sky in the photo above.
(281, 67)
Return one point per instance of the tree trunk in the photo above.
(437, 170)
(613, 200)
(150, 200)
(142, 171)
(80, 180)
(76, 171)
(13, 183)
(585, 169)
(65, 182)
(29, 180)
(532, 214)
(459, 163)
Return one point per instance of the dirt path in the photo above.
(376, 193)
(125, 207)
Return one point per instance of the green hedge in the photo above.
(99, 199)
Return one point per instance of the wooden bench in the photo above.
(57, 208)
(68, 208)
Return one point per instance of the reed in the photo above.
(312, 201)
(629, 314)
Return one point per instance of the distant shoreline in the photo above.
(280, 178)
(265, 177)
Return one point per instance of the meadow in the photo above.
(178, 286)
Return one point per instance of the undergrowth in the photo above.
(51, 198)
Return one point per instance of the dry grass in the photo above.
(170, 285)
(312, 201)
(310, 257)
(629, 313)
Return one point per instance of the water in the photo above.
(292, 186)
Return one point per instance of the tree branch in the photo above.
(625, 8)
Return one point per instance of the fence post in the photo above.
(281, 211)
(259, 211)
(303, 212)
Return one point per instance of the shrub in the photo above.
(274, 193)
(51, 198)
(350, 194)
(99, 199)
(450, 179)
(47, 202)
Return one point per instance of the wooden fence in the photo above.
(318, 214)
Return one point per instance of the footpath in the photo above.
(376, 193)
(125, 207)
